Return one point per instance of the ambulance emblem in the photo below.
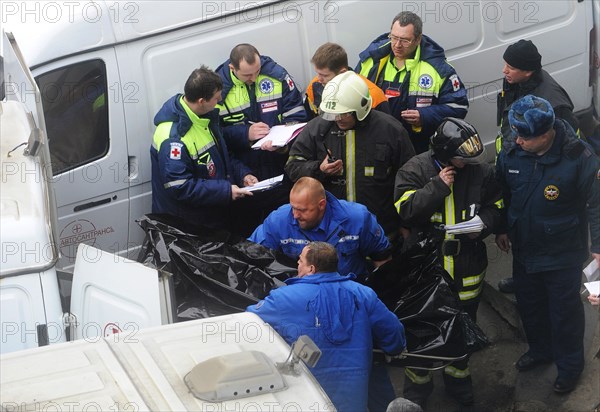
(425, 81)
(266, 86)
(551, 192)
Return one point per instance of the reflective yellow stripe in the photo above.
(350, 166)
(449, 220)
(436, 218)
(470, 294)
(369, 170)
(456, 373)
(500, 204)
(403, 199)
(474, 280)
(419, 380)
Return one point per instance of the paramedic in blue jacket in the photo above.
(316, 215)
(342, 317)
(257, 95)
(551, 183)
(411, 69)
(193, 177)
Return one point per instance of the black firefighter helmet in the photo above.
(455, 138)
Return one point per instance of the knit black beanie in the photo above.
(523, 55)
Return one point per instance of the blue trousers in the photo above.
(552, 314)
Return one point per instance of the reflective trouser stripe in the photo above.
(457, 373)
(470, 294)
(473, 280)
(419, 380)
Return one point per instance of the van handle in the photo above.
(90, 205)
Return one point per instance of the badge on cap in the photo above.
(551, 192)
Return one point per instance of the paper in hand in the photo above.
(474, 225)
(591, 271)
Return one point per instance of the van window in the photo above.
(76, 110)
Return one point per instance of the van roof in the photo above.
(49, 30)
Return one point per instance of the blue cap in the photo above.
(530, 117)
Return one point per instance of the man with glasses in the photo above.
(411, 69)
(450, 184)
(352, 150)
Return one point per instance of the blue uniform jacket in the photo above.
(348, 226)
(344, 319)
(289, 108)
(550, 199)
(197, 196)
(452, 101)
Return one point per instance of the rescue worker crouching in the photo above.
(448, 185)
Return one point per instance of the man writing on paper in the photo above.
(257, 94)
(447, 185)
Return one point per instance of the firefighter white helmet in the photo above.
(345, 93)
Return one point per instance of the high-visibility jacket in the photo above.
(314, 94)
(372, 154)
(424, 201)
(427, 83)
(273, 99)
(192, 173)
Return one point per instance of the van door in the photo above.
(112, 295)
(88, 149)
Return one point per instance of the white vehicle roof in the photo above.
(145, 370)
(45, 30)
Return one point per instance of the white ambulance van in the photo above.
(119, 361)
(104, 68)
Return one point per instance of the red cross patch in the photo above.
(175, 152)
(455, 82)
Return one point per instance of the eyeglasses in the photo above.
(403, 42)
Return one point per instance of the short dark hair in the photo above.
(203, 83)
(331, 56)
(322, 256)
(408, 17)
(241, 52)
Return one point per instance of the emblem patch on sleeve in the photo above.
(175, 152)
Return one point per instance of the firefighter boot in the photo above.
(418, 385)
(459, 389)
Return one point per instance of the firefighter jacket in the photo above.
(314, 94)
(273, 99)
(549, 201)
(425, 202)
(192, 173)
(372, 154)
(345, 319)
(540, 84)
(427, 83)
(350, 227)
